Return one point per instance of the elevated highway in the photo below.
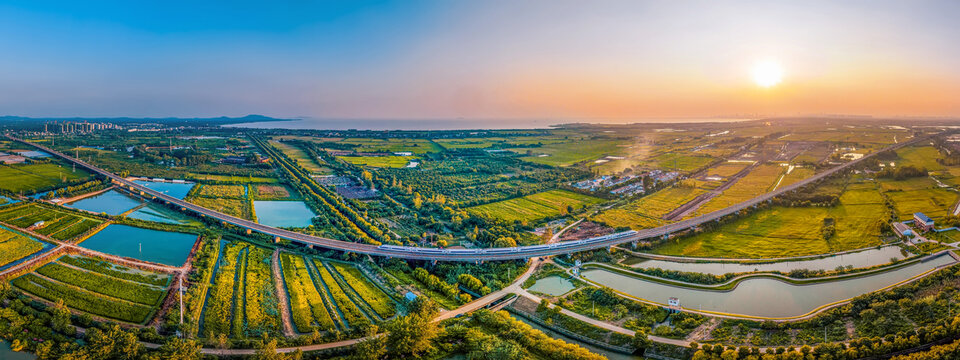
(470, 255)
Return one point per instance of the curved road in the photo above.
(522, 252)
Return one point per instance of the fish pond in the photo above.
(164, 247)
(283, 213)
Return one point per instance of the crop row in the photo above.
(15, 247)
(239, 303)
(223, 191)
(82, 300)
(261, 303)
(306, 304)
(102, 284)
(350, 310)
(376, 298)
(117, 271)
(217, 316)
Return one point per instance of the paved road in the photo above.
(472, 255)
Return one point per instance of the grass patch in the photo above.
(534, 207)
(378, 161)
(648, 211)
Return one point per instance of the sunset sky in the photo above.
(602, 61)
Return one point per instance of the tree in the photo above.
(640, 340)
(113, 344)
(372, 348)
(505, 242)
(60, 319)
(177, 348)
(411, 335)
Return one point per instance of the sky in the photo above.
(596, 61)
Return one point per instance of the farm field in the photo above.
(534, 207)
(416, 146)
(297, 154)
(14, 246)
(272, 192)
(237, 178)
(223, 191)
(924, 157)
(648, 211)
(390, 161)
(235, 207)
(572, 152)
(310, 306)
(792, 231)
(241, 302)
(98, 290)
(727, 169)
(757, 182)
(920, 194)
(682, 162)
(351, 313)
(797, 174)
(57, 224)
(28, 178)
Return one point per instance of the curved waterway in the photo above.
(861, 259)
(763, 297)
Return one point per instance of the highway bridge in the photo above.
(470, 255)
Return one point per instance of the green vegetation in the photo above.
(370, 293)
(94, 292)
(648, 211)
(309, 309)
(758, 181)
(569, 153)
(388, 161)
(351, 313)
(222, 191)
(535, 207)
(242, 301)
(919, 194)
(781, 231)
(38, 176)
(234, 207)
(14, 246)
(58, 223)
(300, 157)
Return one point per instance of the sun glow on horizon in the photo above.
(767, 73)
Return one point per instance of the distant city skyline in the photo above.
(616, 61)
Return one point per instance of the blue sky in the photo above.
(482, 59)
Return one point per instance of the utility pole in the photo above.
(181, 297)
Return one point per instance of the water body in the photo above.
(177, 190)
(8, 354)
(866, 258)
(552, 285)
(443, 124)
(170, 248)
(111, 202)
(158, 213)
(283, 213)
(762, 296)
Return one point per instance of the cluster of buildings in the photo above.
(615, 184)
(603, 182)
(920, 222)
(21, 156)
(73, 127)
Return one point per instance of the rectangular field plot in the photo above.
(920, 156)
(378, 161)
(241, 302)
(919, 195)
(57, 224)
(97, 287)
(757, 182)
(534, 207)
(240, 208)
(223, 191)
(310, 308)
(648, 211)
(14, 246)
(792, 231)
(31, 177)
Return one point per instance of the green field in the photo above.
(226, 191)
(534, 207)
(569, 153)
(313, 165)
(727, 169)
(235, 207)
(378, 161)
(792, 231)
(680, 162)
(28, 178)
(57, 224)
(98, 293)
(14, 246)
(416, 146)
(757, 182)
(648, 211)
(920, 156)
(241, 302)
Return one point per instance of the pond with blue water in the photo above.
(177, 190)
(111, 202)
(164, 247)
(283, 213)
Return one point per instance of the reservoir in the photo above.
(158, 213)
(283, 213)
(177, 190)
(862, 259)
(164, 247)
(762, 297)
(552, 285)
(111, 202)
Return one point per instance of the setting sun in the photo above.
(767, 74)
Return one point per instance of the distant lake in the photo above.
(445, 124)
